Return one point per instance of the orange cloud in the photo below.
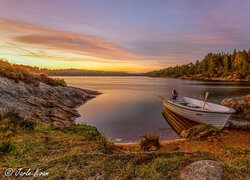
(81, 44)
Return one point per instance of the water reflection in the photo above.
(178, 123)
(130, 106)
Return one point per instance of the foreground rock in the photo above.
(42, 102)
(241, 105)
(202, 170)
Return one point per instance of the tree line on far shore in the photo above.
(61, 72)
(213, 65)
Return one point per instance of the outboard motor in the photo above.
(175, 94)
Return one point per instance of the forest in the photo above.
(235, 65)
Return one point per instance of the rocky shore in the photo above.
(231, 78)
(241, 105)
(65, 152)
(41, 102)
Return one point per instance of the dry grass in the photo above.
(20, 73)
(80, 151)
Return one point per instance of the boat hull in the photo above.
(218, 120)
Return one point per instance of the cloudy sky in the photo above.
(123, 35)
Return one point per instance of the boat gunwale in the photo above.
(231, 110)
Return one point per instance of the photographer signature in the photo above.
(25, 172)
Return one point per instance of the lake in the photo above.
(130, 107)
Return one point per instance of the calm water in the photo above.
(130, 107)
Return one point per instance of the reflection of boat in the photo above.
(197, 110)
(178, 123)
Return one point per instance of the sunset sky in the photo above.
(120, 35)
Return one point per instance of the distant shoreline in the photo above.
(220, 79)
(216, 79)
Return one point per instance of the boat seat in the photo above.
(192, 105)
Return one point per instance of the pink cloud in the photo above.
(29, 34)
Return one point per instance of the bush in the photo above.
(22, 73)
(10, 71)
(150, 141)
(50, 81)
(106, 146)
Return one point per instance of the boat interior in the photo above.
(197, 104)
(182, 101)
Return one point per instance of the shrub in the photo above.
(150, 141)
(106, 146)
(22, 73)
(10, 71)
(50, 81)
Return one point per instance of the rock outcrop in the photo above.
(240, 104)
(231, 77)
(42, 102)
(202, 170)
(201, 131)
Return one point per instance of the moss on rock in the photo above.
(200, 131)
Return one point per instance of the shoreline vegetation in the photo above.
(63, 72)
(37, 130)
(213, 67)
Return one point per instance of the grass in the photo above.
(51, 81)
(80, 151)
(11, 122)
(238, 168)
(87, 133)
(6, 147)
(106, 146)
(20, 73)
(242, 164)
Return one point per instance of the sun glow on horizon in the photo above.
(64, 50)
(80, 64)
(119, 36)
